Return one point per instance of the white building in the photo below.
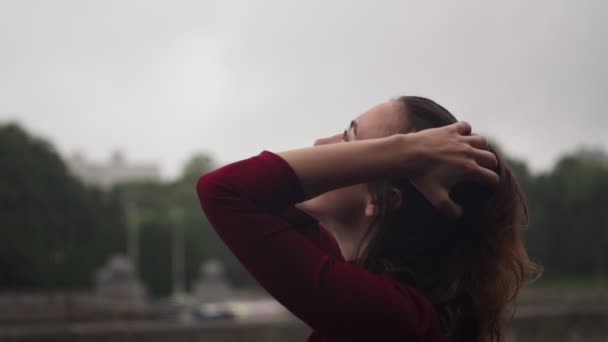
(117, 170)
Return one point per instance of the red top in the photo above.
(250, 204)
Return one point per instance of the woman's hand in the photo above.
(446, 156)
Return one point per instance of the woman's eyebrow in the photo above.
(353, 125)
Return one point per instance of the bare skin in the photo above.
(334, 174)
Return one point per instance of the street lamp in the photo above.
(133, 234)
(176, 216)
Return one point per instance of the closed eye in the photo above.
(345, 136)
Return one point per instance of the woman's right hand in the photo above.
(446, 156)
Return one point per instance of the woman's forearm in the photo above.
(327, 167)
(433, 159)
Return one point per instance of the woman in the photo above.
(405, 227)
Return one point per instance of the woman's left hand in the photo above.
(446, 156)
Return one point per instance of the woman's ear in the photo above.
(370, 206)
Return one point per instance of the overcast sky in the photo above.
(162, 80)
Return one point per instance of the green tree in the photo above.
(569, 232)
(55, 231)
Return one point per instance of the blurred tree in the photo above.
(570, 224)
(568, 230)
(55, 231)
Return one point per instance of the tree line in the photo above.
(56, 231)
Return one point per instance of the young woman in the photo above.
(406, 227)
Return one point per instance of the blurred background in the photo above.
(111, 110)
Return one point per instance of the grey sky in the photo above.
(164, 79)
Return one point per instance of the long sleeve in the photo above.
(312, 230)
(245, 202)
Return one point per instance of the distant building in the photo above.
(116, 171)
(592, 154)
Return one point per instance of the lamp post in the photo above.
(176, 215)
(133, 234)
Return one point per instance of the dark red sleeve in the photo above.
(245, 202)
(312, 230)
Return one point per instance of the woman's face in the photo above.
(353, 202)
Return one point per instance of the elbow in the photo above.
(216, 189)
(207, 188)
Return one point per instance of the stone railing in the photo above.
(542, 315)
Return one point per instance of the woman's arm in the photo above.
(244, 202)
(434, 160)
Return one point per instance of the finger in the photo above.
(484, 176)
(449, 208)
(440, 199)
(476, 141)
(485, 158)
(463, 127)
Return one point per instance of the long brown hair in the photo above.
(472, 268)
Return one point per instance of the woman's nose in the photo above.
(328, 140)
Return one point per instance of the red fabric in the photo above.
(250, 204)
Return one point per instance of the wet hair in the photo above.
(471, 268)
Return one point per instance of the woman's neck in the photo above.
(348, 236)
